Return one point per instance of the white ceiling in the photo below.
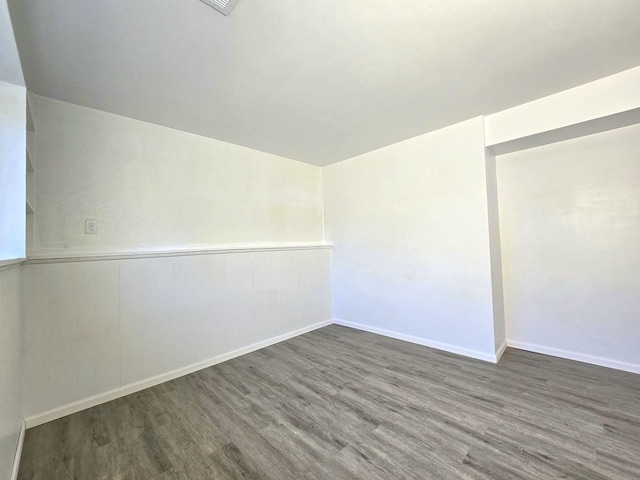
(10, 71)
(318, 80)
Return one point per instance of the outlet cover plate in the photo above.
(90, 227)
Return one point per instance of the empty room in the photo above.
(287, 240)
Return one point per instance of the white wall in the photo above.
(13, 119)
(570, 224)
(10, 68)
(496, 253)
(11, 367)
(410, 229)
(92, 327)
(153, 188)
(99, 329)
(12, 240)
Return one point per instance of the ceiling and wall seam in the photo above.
(318, 82)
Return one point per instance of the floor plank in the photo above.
(339, 404)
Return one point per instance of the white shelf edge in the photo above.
(6, 264)
(30, 192)
(31, 124)
(30, 168)
(31, 152)
(40, 259)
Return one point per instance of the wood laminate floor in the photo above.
(342, 404)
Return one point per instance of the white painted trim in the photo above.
(501, 349)
(487, 357)
(607, 96)
(577, 130)
(83, 404)
(578, 357)
(7, 264)
(18, 455)
(222, 249)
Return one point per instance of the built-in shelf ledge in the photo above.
(30, 152)
(40, 258)
(31, 192)
(29, 161)
(31, 125)
(6, 264)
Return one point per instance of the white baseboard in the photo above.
(501, 349)
(487, 357)
(578, 357)
(16, 458)
(39, 419)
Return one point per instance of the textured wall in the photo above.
(570, 224)
(410, 228)
(13, 140)
(151, 187)
(11, 367)
(92, 327)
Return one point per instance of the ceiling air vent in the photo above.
(223, 6)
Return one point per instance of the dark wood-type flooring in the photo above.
(342, 404)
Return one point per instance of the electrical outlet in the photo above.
(90, 227)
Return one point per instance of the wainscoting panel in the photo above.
(99, 327)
